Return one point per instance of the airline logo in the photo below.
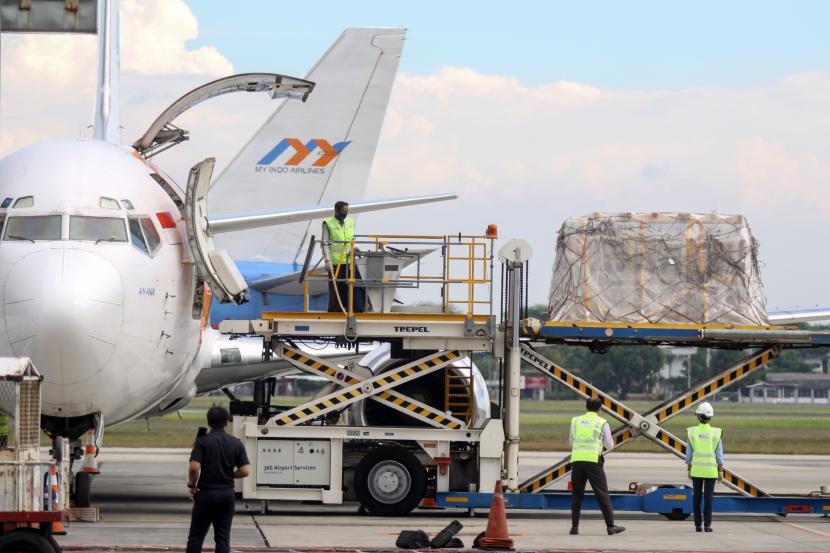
(294, 156)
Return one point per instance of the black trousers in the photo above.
(582, 472)
(359, 295)
(214, 507)
(704, 489)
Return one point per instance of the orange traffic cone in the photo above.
(90, 451)
(497, 536)
(57, 526)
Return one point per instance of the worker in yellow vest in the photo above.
(338, 230)
(589, 432)
(5, 428)
(704, 457)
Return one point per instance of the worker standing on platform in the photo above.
(338, 231)
(589, 432)
(217, 459)
(704, 457)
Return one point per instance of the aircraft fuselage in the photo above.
(96, 281)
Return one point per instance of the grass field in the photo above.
(788, 429)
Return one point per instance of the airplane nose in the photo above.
(64, 309)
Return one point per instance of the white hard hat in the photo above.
(705, 409)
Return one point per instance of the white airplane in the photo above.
(799, 315)
(105, 262)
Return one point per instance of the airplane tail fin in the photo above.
(313, 153)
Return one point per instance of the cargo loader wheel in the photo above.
(26, 541)
(677, 514)
(83, 489)
(390, 481)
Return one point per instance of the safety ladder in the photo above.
(647, 424)
(458, 391)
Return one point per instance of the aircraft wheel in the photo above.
(83, 489)
(390, 481)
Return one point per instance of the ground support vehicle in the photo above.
(458, 456)
(32, 504)
(413, 412)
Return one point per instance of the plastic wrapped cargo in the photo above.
(672, 268)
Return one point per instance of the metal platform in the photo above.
(424, 331)
(602, 335)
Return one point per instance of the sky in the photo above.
(532, 111)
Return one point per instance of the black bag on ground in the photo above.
(412, 539)
(443, 537)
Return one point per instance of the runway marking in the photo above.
(810, 530)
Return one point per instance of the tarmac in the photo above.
(141, 496)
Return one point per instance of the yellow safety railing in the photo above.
(464, 285)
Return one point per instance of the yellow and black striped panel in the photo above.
(728, 377)
(314, 409)
(306, 363)
(395, 375)
(416, 409)
(563, 376)
(620, 436)
(742, 485)
(667, 440)
(355, 392)
(738, 483)
(553, 475)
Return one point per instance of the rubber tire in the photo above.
(83, 489)
(26, 541)
(678, 515)
(417, 476)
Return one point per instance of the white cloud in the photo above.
(48, 84)
(529, 157)
(520, 156)
(154, 40)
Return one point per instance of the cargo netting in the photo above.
(672, 268)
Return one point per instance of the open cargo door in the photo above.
(215, 266)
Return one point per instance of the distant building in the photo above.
(678, 359)
(790, 388)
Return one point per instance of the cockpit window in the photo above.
(137, 237)
(109, 203)
(25, 201)
(100, 229)
(6, 203)
(35, 227)
(150, 232)
(143, 235)
(127, 204)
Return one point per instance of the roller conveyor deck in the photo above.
(724, 336)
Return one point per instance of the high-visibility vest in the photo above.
(4, 425)
(586, 431)
(339, 253)
(704, 440)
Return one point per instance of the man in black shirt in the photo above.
(216, 460)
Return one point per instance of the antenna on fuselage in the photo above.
(108, 98)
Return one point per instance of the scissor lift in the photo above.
(299, 456)
(674, 502)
